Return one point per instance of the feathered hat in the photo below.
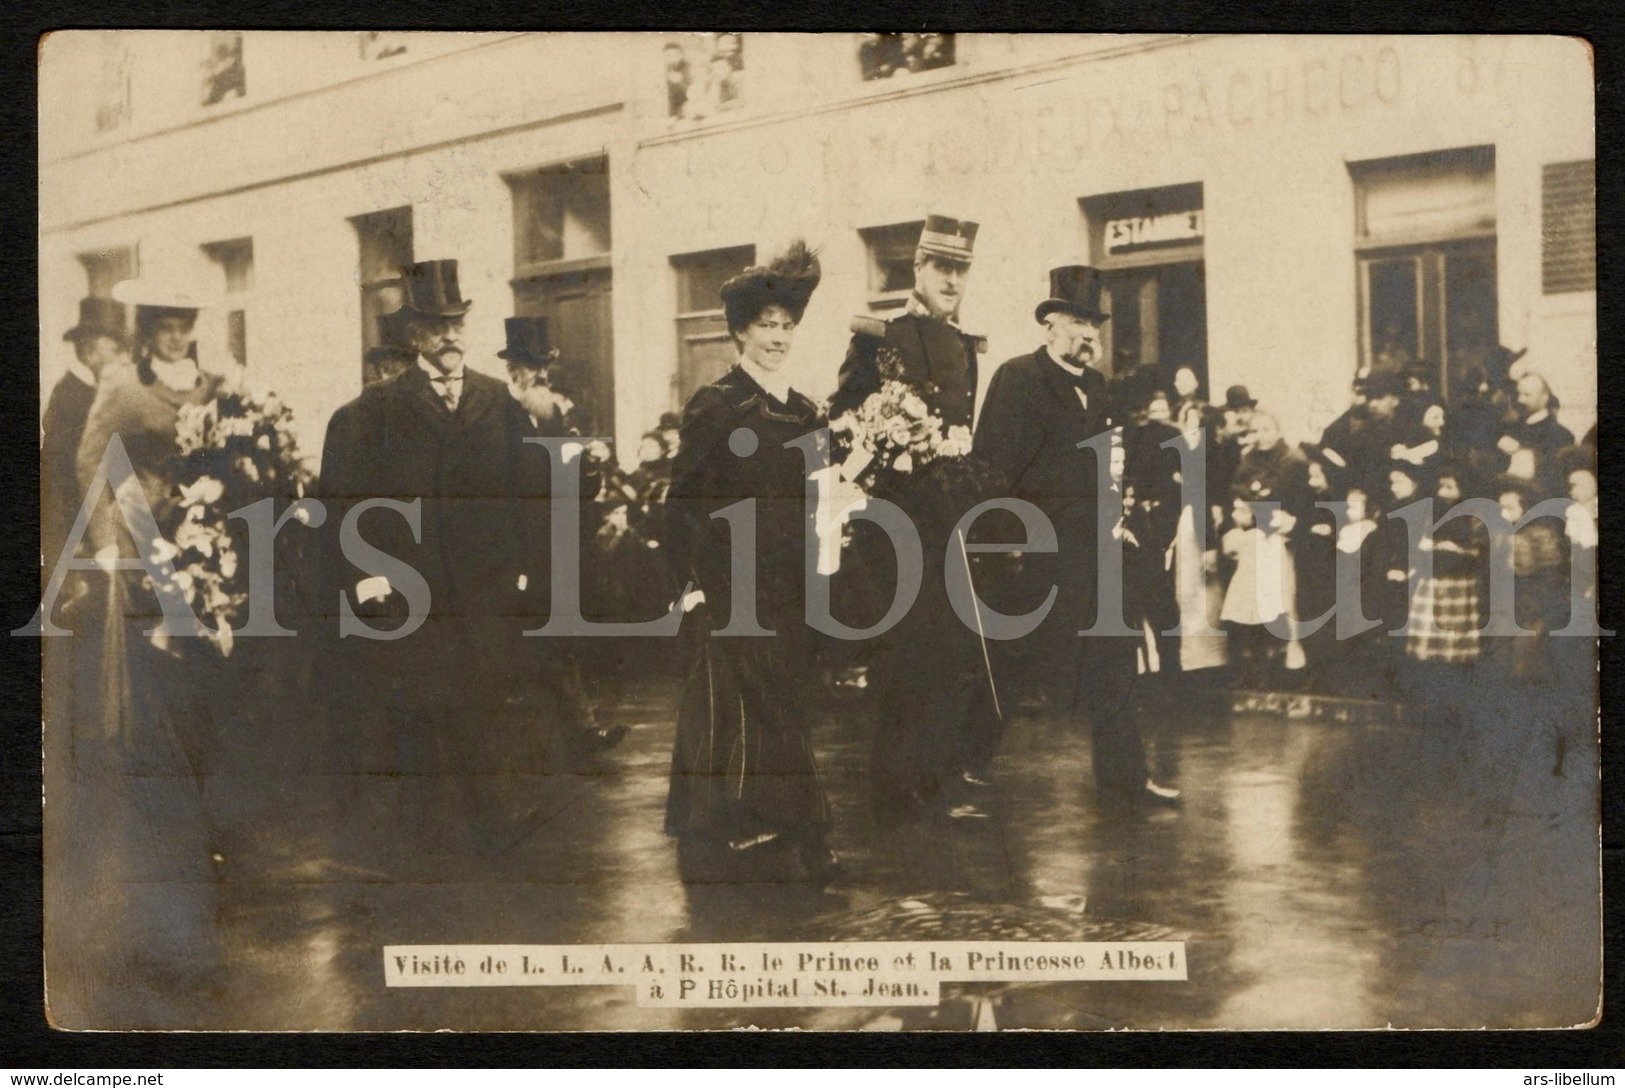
(788, 280)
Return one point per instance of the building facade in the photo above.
(1274, 212)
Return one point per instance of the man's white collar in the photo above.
(434, 372)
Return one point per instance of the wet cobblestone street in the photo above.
(1321, 874)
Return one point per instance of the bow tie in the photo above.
(449, 386)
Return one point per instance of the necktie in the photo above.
(450, 388)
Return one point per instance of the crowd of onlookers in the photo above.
(1278, 556)
(1275, 556)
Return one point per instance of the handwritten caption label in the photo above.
(889, 973)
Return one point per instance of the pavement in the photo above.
(1336, 869)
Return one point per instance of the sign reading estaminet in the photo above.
(727, 975)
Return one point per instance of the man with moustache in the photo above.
(445, 439)
(924, 668)
(1040, 410)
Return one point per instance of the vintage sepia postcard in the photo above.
(887, 531)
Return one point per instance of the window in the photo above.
(236, 261)
(704, 75)
(561, 214)
(1149, 245)
(1425, 226)
(891, 263)
(105, 268)
(382, 44)
(223, 73)
(882, 56)
(704, 349)
(385, 244)
(561, 217)
(1568, 227)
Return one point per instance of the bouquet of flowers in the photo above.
(891, 435)
(231, 452)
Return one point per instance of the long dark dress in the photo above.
(743, 764)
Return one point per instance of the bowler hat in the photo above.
(1073, 289)
(432, 291)
(949, 238)
(527, 342)
(1237, 397)
(1383, 383)
(99, 317)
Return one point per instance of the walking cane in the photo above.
(976, 606)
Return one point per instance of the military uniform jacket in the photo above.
(937, 359)
(397, 440)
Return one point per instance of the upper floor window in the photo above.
(882, 56)
(704, 75)
(223, 73)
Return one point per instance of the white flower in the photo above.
(263, 442)
(163, 551)
(249, 469)
(206, 490)
(598, 450)
(196, 536)
(228, 563)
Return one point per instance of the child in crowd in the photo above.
(1446, 610)
(1259, 594)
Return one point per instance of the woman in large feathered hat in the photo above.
(745, 801)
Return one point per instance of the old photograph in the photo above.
(885, 531)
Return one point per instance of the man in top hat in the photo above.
(549, 662)
(1362, 439)
(915, 763)
(1040, 410)
(446, 439)
(99, 341)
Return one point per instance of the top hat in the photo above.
(1073, 289)
(432, 291)
(1237, 398)
(98, 317)
(527, 342)
(948, 238)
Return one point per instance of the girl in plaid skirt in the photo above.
(1446, 609)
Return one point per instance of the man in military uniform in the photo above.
(926, 665)
(929, 351)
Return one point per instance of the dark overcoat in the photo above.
(397, 440)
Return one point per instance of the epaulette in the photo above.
(869, 325)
